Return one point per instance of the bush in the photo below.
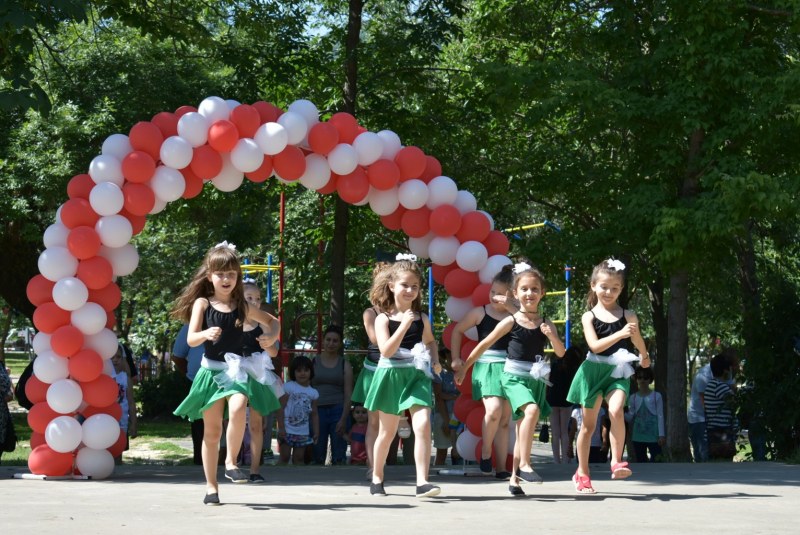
(161, 395)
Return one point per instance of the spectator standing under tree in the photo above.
(187, 361)
(333, 379)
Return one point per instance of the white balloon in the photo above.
(465, 202)
(124, 260)
(64, 396)
(369, 147)
(56, 235)
(158, 206)
(492, 267)
(117, 145)
(232, 103)
(167, 183)
(108, 368)
(472, 333)
(49, 367)
(229, 178)
(105, 343)
(295, 125)
(271, 138)
(466, 444)
(176, 152)
(106, 168)
(413, 194)
(193, 127)
(55, 263)
(391, 144)
(100, 431)
(471, 256)
(441, 190)
(41, 343)
(114, 230)
(70, 293)
(456, 308)
(317, 173)
(106, 198)
(383, 202)
(420, 246)
(95, 463)
(58, 215)
(343, 159)
(214, 109)
(63, 434)
(489, 217)
(89, 319)
(306, 109)
(246, 156)
(363, 201)
(443, 250)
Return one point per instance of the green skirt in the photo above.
(205, 392)
(487, 380)
(361, 388)
(394, 390)
(593, 379)
(521, 391)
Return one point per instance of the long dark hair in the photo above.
(605, 268)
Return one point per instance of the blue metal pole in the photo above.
(568, 323)
(269, 279)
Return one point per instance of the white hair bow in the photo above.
(616, 265)
(520, 267)
(404, 256)
(226, 245)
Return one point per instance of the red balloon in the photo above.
(36, 390)
(496, 243)
(432, 169)
(108, 297)
(479, 451)
(194, 184)
(166, 122)
(37, 439)
(463, 406)
(474, 421)
(47, 462)
(447, 333)
(475, 226)
(466, 385)
(416, 223)
(147, 137)
(96, 272)
(460, 283)
(118, 447)
(114, 410)
(383, 174)
(331, 186)
(323, 137)
(183, 110)
(353, 187)
(83, 242)
(267, 111)
(139, 198)
(85, 365)
(347, 126)
(247, 120)
(411, 162)
(111, 321)
(137, 221)
(66, 340)
(138, 166)
(101, 392)
(263, 172)
(467, 346)
(206, 162)
(80, 186)
(290, 163)
(445, 220)
(78, 212)
(40, 415)
(480, 296)
(39, 290)
(440, 272)
(394, 220)
(49, 316)
(223, 135)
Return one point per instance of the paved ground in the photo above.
(728, 498)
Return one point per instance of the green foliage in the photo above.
(161, 395)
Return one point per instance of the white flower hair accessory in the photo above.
(226, 245)
(520, 267)
(248, 280)
(404, 256)
(616, 265)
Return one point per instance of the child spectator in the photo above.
(128, 421)
(298, 421)
(445, 394)
(646, 413)
(357, 436)
(718, 401)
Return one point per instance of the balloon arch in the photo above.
(74, 419)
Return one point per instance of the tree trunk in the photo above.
(677, 342)
(342, 211)
(659, 318)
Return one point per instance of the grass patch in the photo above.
(164, 428)
(16, 361)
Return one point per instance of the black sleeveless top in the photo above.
(525, 343)
(603, 329)
(486, 326)
(230, 341)
(413, 335)
(250, 343)
(373, 353)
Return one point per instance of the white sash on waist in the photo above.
(418, 357)
(236, 368)
(539, 370)
(370, 366)
(621, 360)
(491, 356)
